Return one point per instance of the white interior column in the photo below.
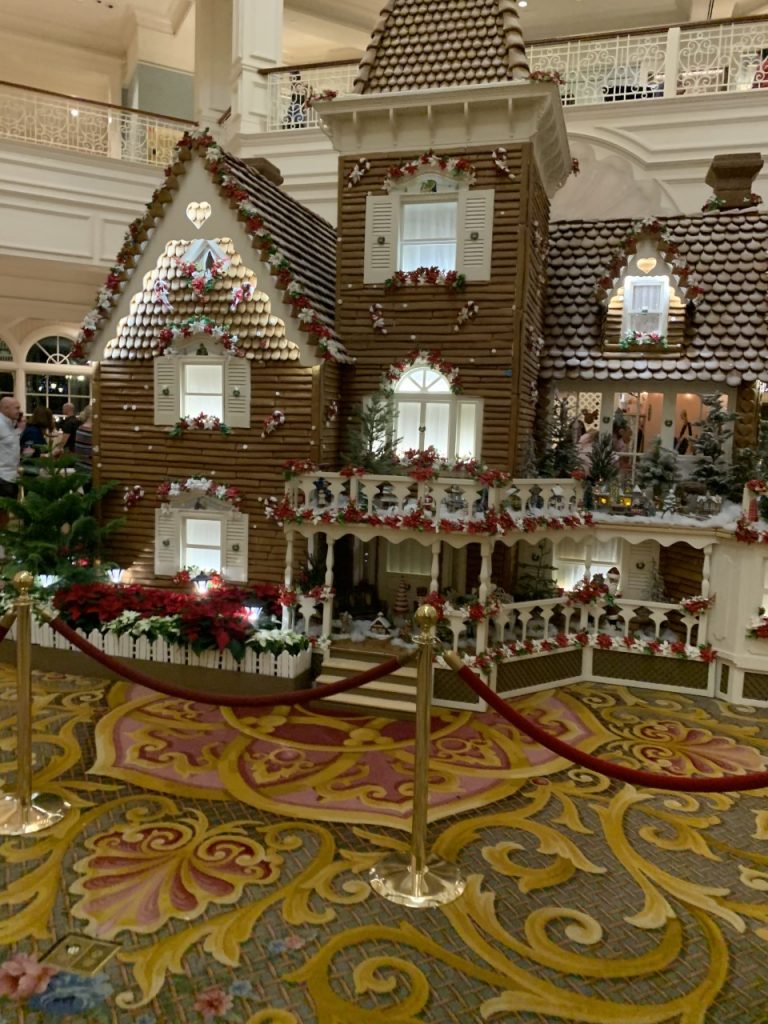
(213, 60)
(257, 42)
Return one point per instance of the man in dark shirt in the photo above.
(68, 425)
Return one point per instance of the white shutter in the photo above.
(166, 389)
(237, 392)
(167, 542)
(475, 234)
(234, 559)
(637, 569)
(380, 238)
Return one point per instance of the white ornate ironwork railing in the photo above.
(679, 61)
(48, 119)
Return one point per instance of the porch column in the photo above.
(288, 575)
(486, 551)
(435, 571)
(706, 572)
(328, 603)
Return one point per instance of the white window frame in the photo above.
(170, 526)
(474, 231)
(184, 363)
(185, 518)
(636, 281)
(446, 396)
(409, 200)
(169, 383)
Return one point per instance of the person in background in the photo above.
(84, 440)
(685, 436)
(37, 433)
(11, 421)
(68, 425)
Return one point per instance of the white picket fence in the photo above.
(284, 665)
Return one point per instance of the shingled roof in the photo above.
(427, 44)
(298, 246)
(260, 334)
(304, 237)
(727, 339)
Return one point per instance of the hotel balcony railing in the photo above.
(83, 126)
(691, 60)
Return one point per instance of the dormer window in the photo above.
(646, 303)
(429, 219)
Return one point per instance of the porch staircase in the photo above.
(394, 693)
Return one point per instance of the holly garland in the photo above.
(195, 325)
(457, 167)
(432, 358)
(202, 484)
(513, 650)
(491, 523)
(667, 249)
(199, 422)
(451, 279)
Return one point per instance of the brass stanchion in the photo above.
(414, 879)
(26, 812)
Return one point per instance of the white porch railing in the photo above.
(456, 498)
(48, 119)
(680, 61)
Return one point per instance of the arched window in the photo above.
(51, 379)
(429, 414)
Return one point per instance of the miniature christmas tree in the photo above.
(53, 528)
(603, 464)
(401, 607)
(371, 441)
(561, 454)
(669, 505)
(658, 470)
(712, 467)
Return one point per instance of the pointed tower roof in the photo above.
(424, 44)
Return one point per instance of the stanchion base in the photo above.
(393, 878)
(44, 810)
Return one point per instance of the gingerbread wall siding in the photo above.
(485, 349)
(147, 456)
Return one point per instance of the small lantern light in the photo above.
(202, 582)
(115, 574)
(254, 613)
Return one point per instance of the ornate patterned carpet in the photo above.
(225, 854)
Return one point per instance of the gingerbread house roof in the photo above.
(260, 335)
(727, 334)
(424, 44)
(292, 243)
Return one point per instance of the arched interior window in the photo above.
(58, 381)
(430, 415)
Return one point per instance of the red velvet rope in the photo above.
(655, 780)
(266, 700)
